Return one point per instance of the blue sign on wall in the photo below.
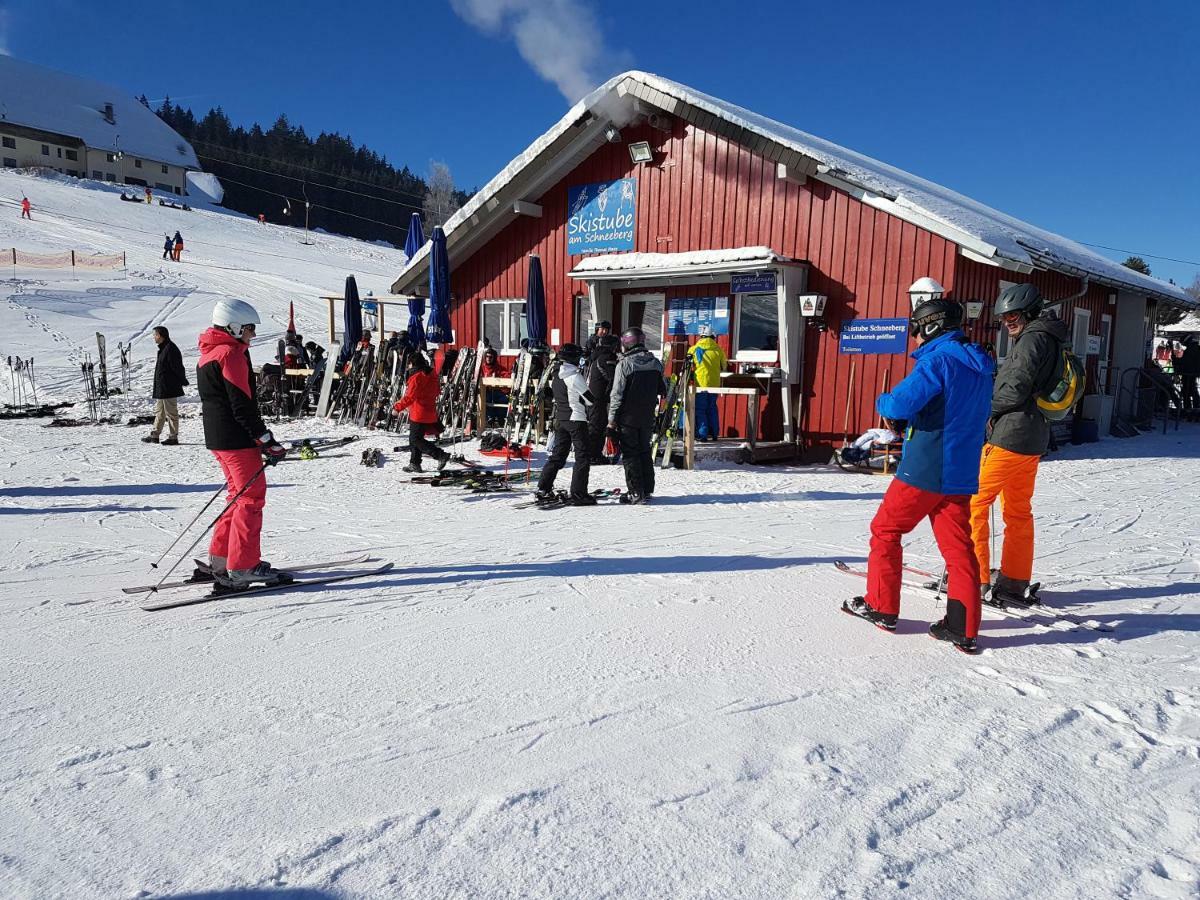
(685, 315)
(601, 216)
(874, 336)
(752, 283)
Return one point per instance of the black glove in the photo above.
(613, 431)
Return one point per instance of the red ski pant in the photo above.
(236, 537)
(903, 508)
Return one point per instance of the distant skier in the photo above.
(149, 196)
(26, 206)
(708, 362)
(170, 377)
(178, 247)
(603, 350)
(637, 386)
(945, 401)
(421, 394)
(237, 437)
(1018, 436)
(1187, 367)
(571, 402)
(168, 247)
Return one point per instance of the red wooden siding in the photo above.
(707, 193)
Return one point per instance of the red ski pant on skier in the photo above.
(236, 537)
(903, 508)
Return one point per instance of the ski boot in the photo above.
(632, 498)
(412, 467)
(941, 631)
(861, 608)
(585, 500)
(206, 572)
(1005, 590)
(442, 463)
(544, 497)
(262, 575)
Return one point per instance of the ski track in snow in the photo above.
(629, 702)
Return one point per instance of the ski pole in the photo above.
(32, 383)
(211, 500)
(228, 507)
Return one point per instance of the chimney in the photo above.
(108, 114)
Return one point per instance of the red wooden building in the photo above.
(652, 204)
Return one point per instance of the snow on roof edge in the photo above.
(956, 211)
(628, 262)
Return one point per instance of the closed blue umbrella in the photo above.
(438, 330)
(535, 303)
(352, 321)
(416, 330)
(416, 236)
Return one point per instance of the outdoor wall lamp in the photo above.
(640, 152)
(923, 290)
(974, 308)
(612, 134)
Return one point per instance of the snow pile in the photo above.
(38, 97)
(207, 185)
(619, 262)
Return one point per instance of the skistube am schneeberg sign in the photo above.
(601, 216)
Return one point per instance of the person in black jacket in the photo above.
(603, 349)
(637, 386)
(169, 380)
(1187, 367)
(1018, 436)
(243, 446)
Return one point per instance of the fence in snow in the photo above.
(63, 259)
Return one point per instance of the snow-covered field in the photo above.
(637, 702)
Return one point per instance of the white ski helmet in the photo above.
(232, 315)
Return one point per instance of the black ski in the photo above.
(269, 589)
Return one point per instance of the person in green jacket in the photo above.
(708, 362)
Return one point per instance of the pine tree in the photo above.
(1137, 264)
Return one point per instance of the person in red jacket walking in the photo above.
(25, 207)
(235, 434)
(420, 398)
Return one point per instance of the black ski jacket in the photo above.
(169, 374)
(1032, 361)
(602, 353)
(227, 393)
(637, 385)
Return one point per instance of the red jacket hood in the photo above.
(214, 337)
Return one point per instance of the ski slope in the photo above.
(658, 701)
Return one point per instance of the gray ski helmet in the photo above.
(934, 318)
(570, 353)
(1022, 298)
(632, 338)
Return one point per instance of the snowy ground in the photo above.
(636, 702)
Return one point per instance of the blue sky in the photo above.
(1075, 115)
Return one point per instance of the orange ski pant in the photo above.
(1009, 476)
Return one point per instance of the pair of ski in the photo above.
(172, 600)
(563, 498)
(1031, 613)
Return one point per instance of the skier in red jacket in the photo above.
(235, 434)
(420, 398)
(25, 207)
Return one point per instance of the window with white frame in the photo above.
(1079, 332)
(502, 324)
(583, 319)
(756, 331)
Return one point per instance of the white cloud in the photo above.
(561, 39)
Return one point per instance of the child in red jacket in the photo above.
(420, 399)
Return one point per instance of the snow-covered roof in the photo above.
(1190, 322)
(694, 260)
(983, 233)
(49, 100)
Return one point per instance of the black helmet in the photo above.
(1022, 298)
(632, 338)
(934, 318)
(570, 353)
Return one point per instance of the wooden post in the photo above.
(73, 259)
(883, 389)
(689, 438)
(752, 421)
(379, 306)
(849, 395)
(332, 333)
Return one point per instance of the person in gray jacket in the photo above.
(1018, 436)
(571, 402)
(637, 386)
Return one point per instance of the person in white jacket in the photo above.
(571, 400)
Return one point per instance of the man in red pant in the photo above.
(235, 433)
(945, 401)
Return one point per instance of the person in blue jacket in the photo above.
(943, 407)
